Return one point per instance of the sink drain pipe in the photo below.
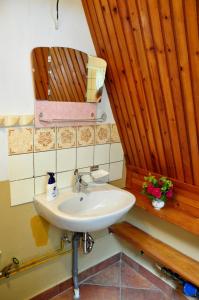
(88, 243)
(76, 238)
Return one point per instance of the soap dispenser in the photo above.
(51, 187)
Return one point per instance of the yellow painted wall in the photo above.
(18, 240)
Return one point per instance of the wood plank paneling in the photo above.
(68, 74)
(152, 51)
(40, 70)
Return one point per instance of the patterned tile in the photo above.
(85, 135)
(114, 134)
(109, 276)
(66, 137)
(20, 140)
(102, 134)
(44, 139)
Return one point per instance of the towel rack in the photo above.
(100, 119)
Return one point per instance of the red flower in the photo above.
(150, 189)
(169, 194)
(156, 192)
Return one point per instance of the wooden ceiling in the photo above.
(152, 51)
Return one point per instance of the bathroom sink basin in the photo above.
(101, 206)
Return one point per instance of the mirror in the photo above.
(66, 74)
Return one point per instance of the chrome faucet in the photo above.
(80, 185)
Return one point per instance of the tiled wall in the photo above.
(34, 152)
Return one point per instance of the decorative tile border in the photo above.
(44, 139)
(20, 140)
(54, 149)
(115, 138)
(85, 135)
(102, 134)
(66, 137)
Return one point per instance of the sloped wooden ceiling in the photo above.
(152, 51)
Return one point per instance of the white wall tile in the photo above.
(85, 156)
(116, 170)
(65, 179)
(62, 161)
(105, 167)
(44, 162)
(116, 152)
(20, 166)
(41, 184)
(101, 154)
(66, 159)
(4, 154)
(84, 169)
(22, 191)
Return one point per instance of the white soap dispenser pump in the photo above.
(51, 187)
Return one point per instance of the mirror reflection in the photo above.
(66, 74)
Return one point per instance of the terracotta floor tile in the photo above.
(178, 295)
(130, 278)
(107, 277)
(133, 264)
(142, 294)
(118, 281)
(158, 282)
(99, 267)
(92, 292)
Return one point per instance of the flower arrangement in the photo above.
(154, 188)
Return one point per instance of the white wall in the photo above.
(26, 24)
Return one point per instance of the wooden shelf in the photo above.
(167, 256)
(168, 213)
(182, 210)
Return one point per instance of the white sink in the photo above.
(99, 208)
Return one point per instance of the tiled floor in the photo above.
(121, 281)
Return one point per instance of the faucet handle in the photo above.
(76, 172)
(79, 174)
